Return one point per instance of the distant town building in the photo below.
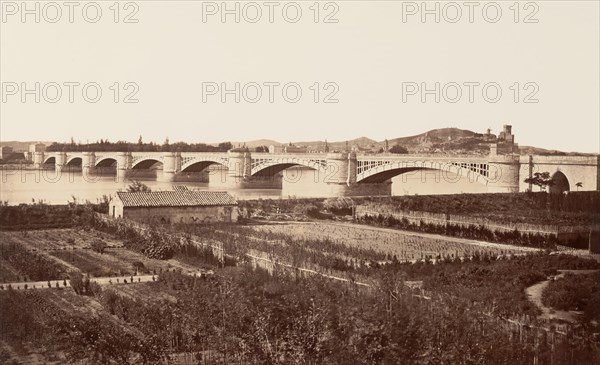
(488, 135)
(182, 206)
(506, 134)
(507, 141)
(295, 149)
(5, 151)
(37, 147)
(275, 149)
(360, 149)
(287, 149)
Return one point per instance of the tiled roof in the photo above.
(176, 198)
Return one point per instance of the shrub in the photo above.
(139, 266)
(77, 282)
(339, 206)
(137, 186)
(98, 246)
(579, 292)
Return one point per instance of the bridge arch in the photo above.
(75, 161)
(106, 162)
(50, 160)
(271, 167)
(560, 183)
(450, 172)
(145, 163)
(199, 164)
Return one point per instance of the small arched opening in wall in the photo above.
(560, 183)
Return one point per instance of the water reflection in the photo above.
(25, 186)
(18, 187)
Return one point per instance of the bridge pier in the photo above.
(341, 173)
(88, 164)
(240, 165)
(38, 160)
(171, 166)
(123, 165)
(238, 174)
(341, 178)
(503, 174)
(338, 178)
(60, 162)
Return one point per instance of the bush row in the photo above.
(472, 231)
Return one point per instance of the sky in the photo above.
(363, 68)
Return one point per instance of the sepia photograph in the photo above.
(308, 182)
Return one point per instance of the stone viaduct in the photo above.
(340, 173)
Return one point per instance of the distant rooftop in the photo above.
(176, 198)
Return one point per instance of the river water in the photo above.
(25, 186)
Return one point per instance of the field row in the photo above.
(60, 239)
(47, 261)
(59, 251)
(405, 246)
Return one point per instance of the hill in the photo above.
(442, 140)
(19, 146)
(542, 151)
(446, 140)
(441, 134)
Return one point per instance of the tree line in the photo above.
(123, 146)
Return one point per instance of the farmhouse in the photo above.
(181, 206)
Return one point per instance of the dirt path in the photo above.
(534, 293)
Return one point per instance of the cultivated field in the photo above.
(237, 313)
(51, 254)
(405, 245)
(57, 239)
